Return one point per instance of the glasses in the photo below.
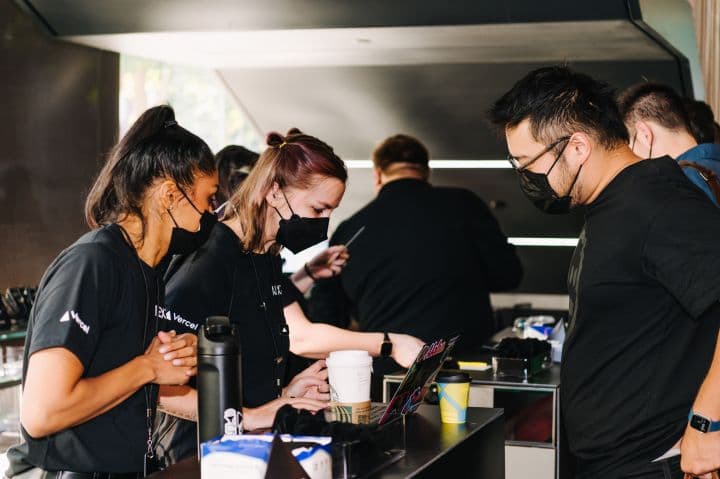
(516, 163)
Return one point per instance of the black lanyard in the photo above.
(150, 390)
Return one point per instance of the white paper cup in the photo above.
(349, 376)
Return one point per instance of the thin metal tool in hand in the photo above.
(354, 236)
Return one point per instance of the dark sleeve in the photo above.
(501, 264)
(290, 293)
(74, 300)
(328, 302)
(682, 251)
(197, 289)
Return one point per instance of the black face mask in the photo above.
(297, 233)
(183, 241)
(538, 190)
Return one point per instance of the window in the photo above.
(201, 101)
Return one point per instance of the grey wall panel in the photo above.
(59, 116)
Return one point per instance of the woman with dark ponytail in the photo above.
(285, 201)
(95, 349)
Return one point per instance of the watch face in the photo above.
(700, 423)
(386, 349)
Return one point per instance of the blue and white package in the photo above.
(247, 456)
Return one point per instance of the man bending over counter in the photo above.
(641, 367)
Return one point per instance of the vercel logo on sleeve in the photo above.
(167, 315)
(75, 317)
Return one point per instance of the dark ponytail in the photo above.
(154, 147)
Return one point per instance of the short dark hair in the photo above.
(401, 149)
(655, 102)
(702, 120)
(154, 147)
(559, 102)
(233, 163)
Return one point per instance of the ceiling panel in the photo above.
(611, 40)
(87, 17)
(444, 105)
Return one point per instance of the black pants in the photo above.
(666, 469)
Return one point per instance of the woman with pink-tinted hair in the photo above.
(285, 201)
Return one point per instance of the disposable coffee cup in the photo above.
(454, 392)
(349, 376)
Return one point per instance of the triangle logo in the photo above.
(65, 317)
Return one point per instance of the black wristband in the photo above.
(386, 347)
(308, 272)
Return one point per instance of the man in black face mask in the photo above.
(424, 260)
(643, 282)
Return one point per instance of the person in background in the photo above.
(233, 163)
(659, 125)
(424, 263)
(285, 201)
(641, 362)
(702, 121)
(93, 353)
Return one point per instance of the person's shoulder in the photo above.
(703, 151)
(349, 226)
(664, 188)
(454, 192)
(456, 197)
(705, 154)
(213, 261)
(221, 247)
(96, 246)
(91, 258)
(653, 178)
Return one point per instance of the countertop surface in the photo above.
(427, 440)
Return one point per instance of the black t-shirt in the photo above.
(644, 272)
(221, 278)
(423, 265)
(93, 302)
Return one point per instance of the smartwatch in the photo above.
(702, 424)
(386, 348)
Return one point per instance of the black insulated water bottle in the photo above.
(219, 380)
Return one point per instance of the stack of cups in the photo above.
(454, 392)
(349, 375)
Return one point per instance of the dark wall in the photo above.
(58, 117)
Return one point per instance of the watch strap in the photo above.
(386, 347)
(701, 423)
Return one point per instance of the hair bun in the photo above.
(274, 139)
(294, 131)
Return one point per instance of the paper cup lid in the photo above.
(348, 358)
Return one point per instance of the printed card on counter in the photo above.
(266, 457)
